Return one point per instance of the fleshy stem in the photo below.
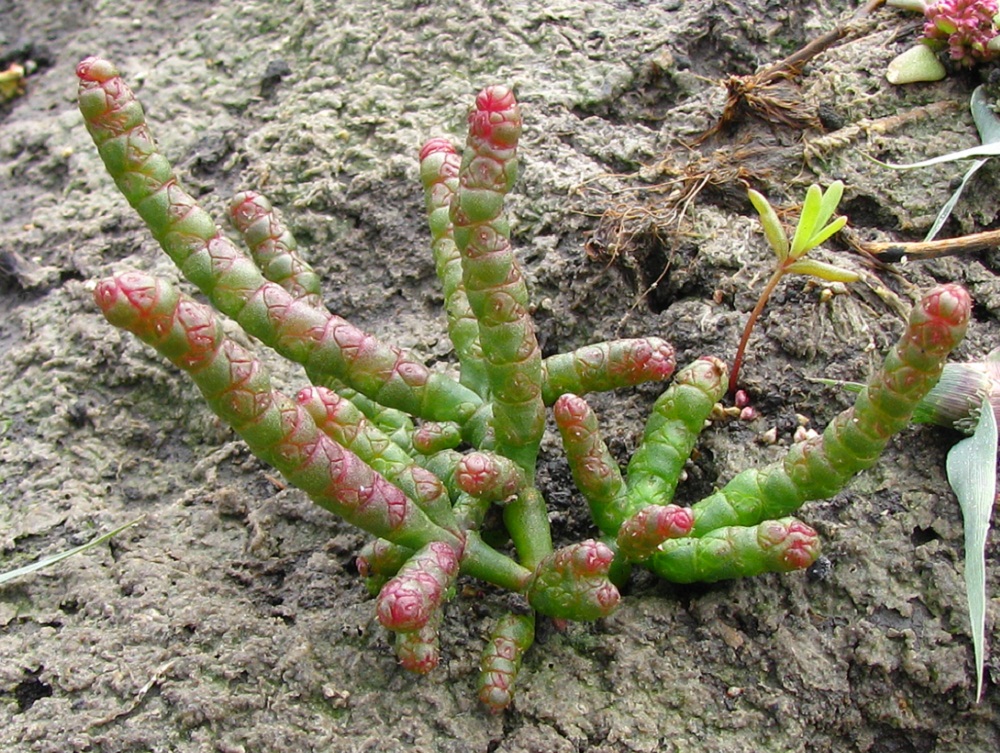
(439, 167)
(607, 366)
(818, 468)
(737, 552)
(276, 429)
(595, 472)
(672, 429)
(494, 283)
(501, 659)
(282, 432)
(274, 250)
(297, 330)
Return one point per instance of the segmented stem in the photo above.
(672, 429)
(277, 430)
(296, 329)
(493, 280)
(439, 167)
(607, 366)
(378, 561)
(737, 552)
(489, 476)
(420, 650)
(407, 602)
(641, 535)
(348, 426)
(595, 472)
(501, 659)
(572, 583)
(273, 247)
(818, 468)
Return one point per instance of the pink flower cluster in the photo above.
(965, 25)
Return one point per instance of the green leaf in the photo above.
(972, 471)
(985, 150)
(773, 229)
(807, 221)
(822, 270)
(831, 198)
(834, 227)
(988, 125)
(984, 116)
(48, 562)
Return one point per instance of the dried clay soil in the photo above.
(232, 618)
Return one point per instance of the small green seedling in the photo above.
(814, 228)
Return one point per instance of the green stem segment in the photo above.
(272, 247)
(595, 471)
(641, 535)
(607, 366)
(820, 467)
(277, 430)
(407, 602)
(672, 429)
(494, 283)
(572, 583)
(439, 166)
(296, 329)
(737, 552)
(349, 427)
(501, 660)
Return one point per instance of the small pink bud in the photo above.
(96, 69)
(439, 145)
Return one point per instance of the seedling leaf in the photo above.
(773, 229)
(822, 270)
(806, 228)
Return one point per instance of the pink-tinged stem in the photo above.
(277, 430)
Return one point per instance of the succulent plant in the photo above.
(418, 458)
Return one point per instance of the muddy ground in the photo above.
(232, 618)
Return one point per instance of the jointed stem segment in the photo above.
(378, 437)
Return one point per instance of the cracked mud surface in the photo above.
(232, 619)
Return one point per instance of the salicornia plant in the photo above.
(417, 458)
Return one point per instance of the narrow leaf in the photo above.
(834, 227)
(48, 562)
(773, 229)
(985, 117)
(807, 221)
(854, 387)
(972, 470)
(831, 198)
(949, 205)
(822, 270)
(988, 125)
(984, 150)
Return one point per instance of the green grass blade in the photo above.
(972, 470)
(988, 125)
(50, 561)
(983, 150)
